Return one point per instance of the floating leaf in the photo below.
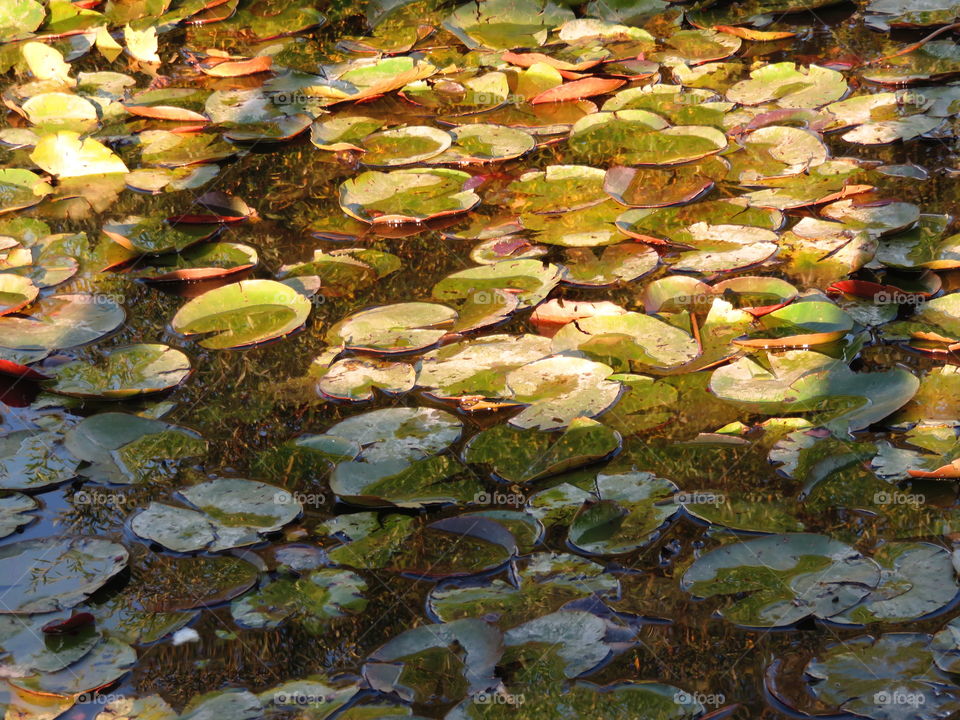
(406, 195)
(124, 372)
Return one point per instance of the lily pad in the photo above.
(311, 600)
(407, 196)
(124, 372)
(243, 314)
(781, 579)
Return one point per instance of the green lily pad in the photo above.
(483, 143)
(779, 580)
(16, 292)
(310, 600)
(123, 372)
(21, 189)
(660, 187)
(406, 196)
(916, 580)
(617, 264)
(30, 460)
(61, 321)
(122, 448)
(407, 145)
(398, 328)
(104, 664)
(882, 678)
(557, 189)
(790, 86)
(545, 582)
(65, 155)
(14, 512)
(355, 378)
(521, 456)
(506, 24)
(345, 270)
(153, 235)
(531, 280)
(934, 61)
(243, 314)
(639, 137)
(74, 567)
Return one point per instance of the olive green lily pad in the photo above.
(407, 145)
(934, 61)
(506, 24)
(659, 187)
(520, 456)
(345, 270)
(122, 448)
(483, 143)
(544, 583)
(639, 137)
(21, 189)
(205, 261)
(615, 515)
(123, 372)
(310, 600)
(73, 568)
(154, 235)
(532, 280)
(243, 313)
(617, 263)
(407, 196)
(590, 226)
(779, 580)
(800, 324)
(557, 189)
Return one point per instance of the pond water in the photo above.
(666, 425)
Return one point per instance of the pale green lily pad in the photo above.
(104, 664)
(790, 86)
(74, 567)
(65, 155)
(61, 321)
(230, 512)
(406, 196)
(399, 433)
(802, 380)
(617, 264)
(243, 314)
(917, 579)
(31, 460)
(478, 366)
(630, 339)
(398, 328)
(779, 580)
(123, 372)
(558, 389)
(883, 678)
(16, 292)
(356, 378)
(521, 456)
(311, 601)
(14, 512)
(591, 226)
